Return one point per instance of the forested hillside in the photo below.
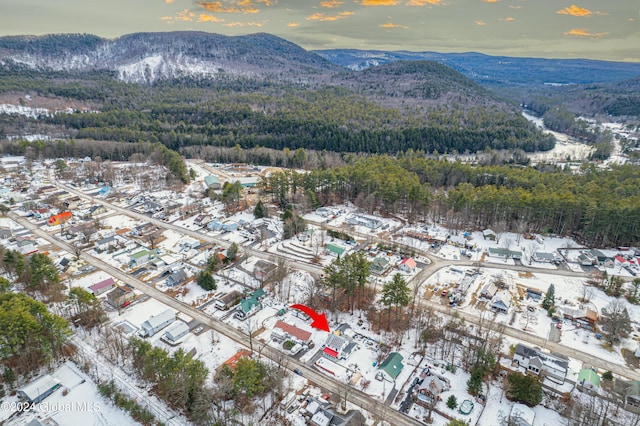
(421, 106)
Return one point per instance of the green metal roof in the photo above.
(392, 365)
(589, 375)
(334, 249)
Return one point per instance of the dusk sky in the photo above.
(595, 29)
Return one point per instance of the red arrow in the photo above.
(319, 320)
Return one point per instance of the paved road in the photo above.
(436, 265)
(354, 396)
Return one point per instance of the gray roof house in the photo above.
(177, 277)
(554, 366)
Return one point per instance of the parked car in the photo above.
(297, 371)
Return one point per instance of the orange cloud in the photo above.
(480, 23)
(330, 4)
(293, 24)
(508, 19)
(515, 7)
(423, 2)
(205, 17)
(491, 1)
(182, 16)
(581, 32)
(392, 25)
(218, 7)
(379, 2)
(574, 10)
(243, 24)
(323, 17)
(169, 1)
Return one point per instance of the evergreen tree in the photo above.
(452, 402)
(260, 210)
(206, 281)
(549, 298)
(524, 388)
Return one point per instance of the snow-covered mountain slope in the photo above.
(147, 57)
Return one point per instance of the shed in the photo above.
(39, 389)
(176, 331)
(212, 181)
(522, 415)
(489, 234)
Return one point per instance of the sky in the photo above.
(594, 29)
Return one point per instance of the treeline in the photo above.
(596, 206)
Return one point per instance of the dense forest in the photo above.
(595, 206)
(434, 109)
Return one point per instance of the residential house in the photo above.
(105, 243)
(156, 323)
(489, 290)
(5, 233)
(501, 301)
(229, 226)
(391, 366)
(601, 258)
(322, 414)
(543, 257)
(176, 278)
(430, 389)
(407, 265)
(364, 220)
(96, 210)
(250, 305)
(333, 250)
(102, 287)
(214, 225)
(553, 367)
(262, 269)
(202, 219)
(59, 218)
(145, 228)
(71, 203)
(534, 294)
(27, 247)
(140, 258)
(580, 317)
(282, 331)
(379, 265)
(120, 296)
(588, 379)
(227, 300)
(504, 253)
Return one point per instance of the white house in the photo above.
(501, 302)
